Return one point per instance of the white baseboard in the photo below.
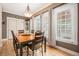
(5, 39)
(68, 51)
(0, 44)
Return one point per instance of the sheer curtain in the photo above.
(45, 24)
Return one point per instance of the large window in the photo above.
(65, 18)
(64, 24)
(37, 23)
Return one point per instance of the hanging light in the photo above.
(28, 12)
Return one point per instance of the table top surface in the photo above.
(25, 37)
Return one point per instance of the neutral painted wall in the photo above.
(4, 22)
(0, 26)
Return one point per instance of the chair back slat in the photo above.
(20, 31)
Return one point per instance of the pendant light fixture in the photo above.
(28, 12)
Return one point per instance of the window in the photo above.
(65, 18)
(64, 24)
(31, 26)
(37, 23)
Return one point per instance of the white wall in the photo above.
(0, 26)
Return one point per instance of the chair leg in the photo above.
(21, 51)
(33, 53)
(16, 51)
(27, 51)
(32, 50)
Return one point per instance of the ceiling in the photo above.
(19, 8)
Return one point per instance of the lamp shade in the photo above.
(28, 12)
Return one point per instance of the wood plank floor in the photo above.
(7, 50)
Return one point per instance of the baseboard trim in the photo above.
(4, 39)
(68, 51)
(0, 44)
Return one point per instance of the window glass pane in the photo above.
(64, 24)
(31, 25)
(37, 23)
(65, 17)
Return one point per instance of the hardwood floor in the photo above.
(7, 50)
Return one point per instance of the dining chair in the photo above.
(36, 44)
(32, 31)
(16, 44)
(20, 31)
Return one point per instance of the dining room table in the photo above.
(24, 38)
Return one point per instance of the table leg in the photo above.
(45, 44)
(21, 50)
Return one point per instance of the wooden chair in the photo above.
(36, 43)
(20, 31)
(32, 31)
(16, 44)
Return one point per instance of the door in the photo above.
(11, 25)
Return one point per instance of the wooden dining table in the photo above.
(25, 39)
